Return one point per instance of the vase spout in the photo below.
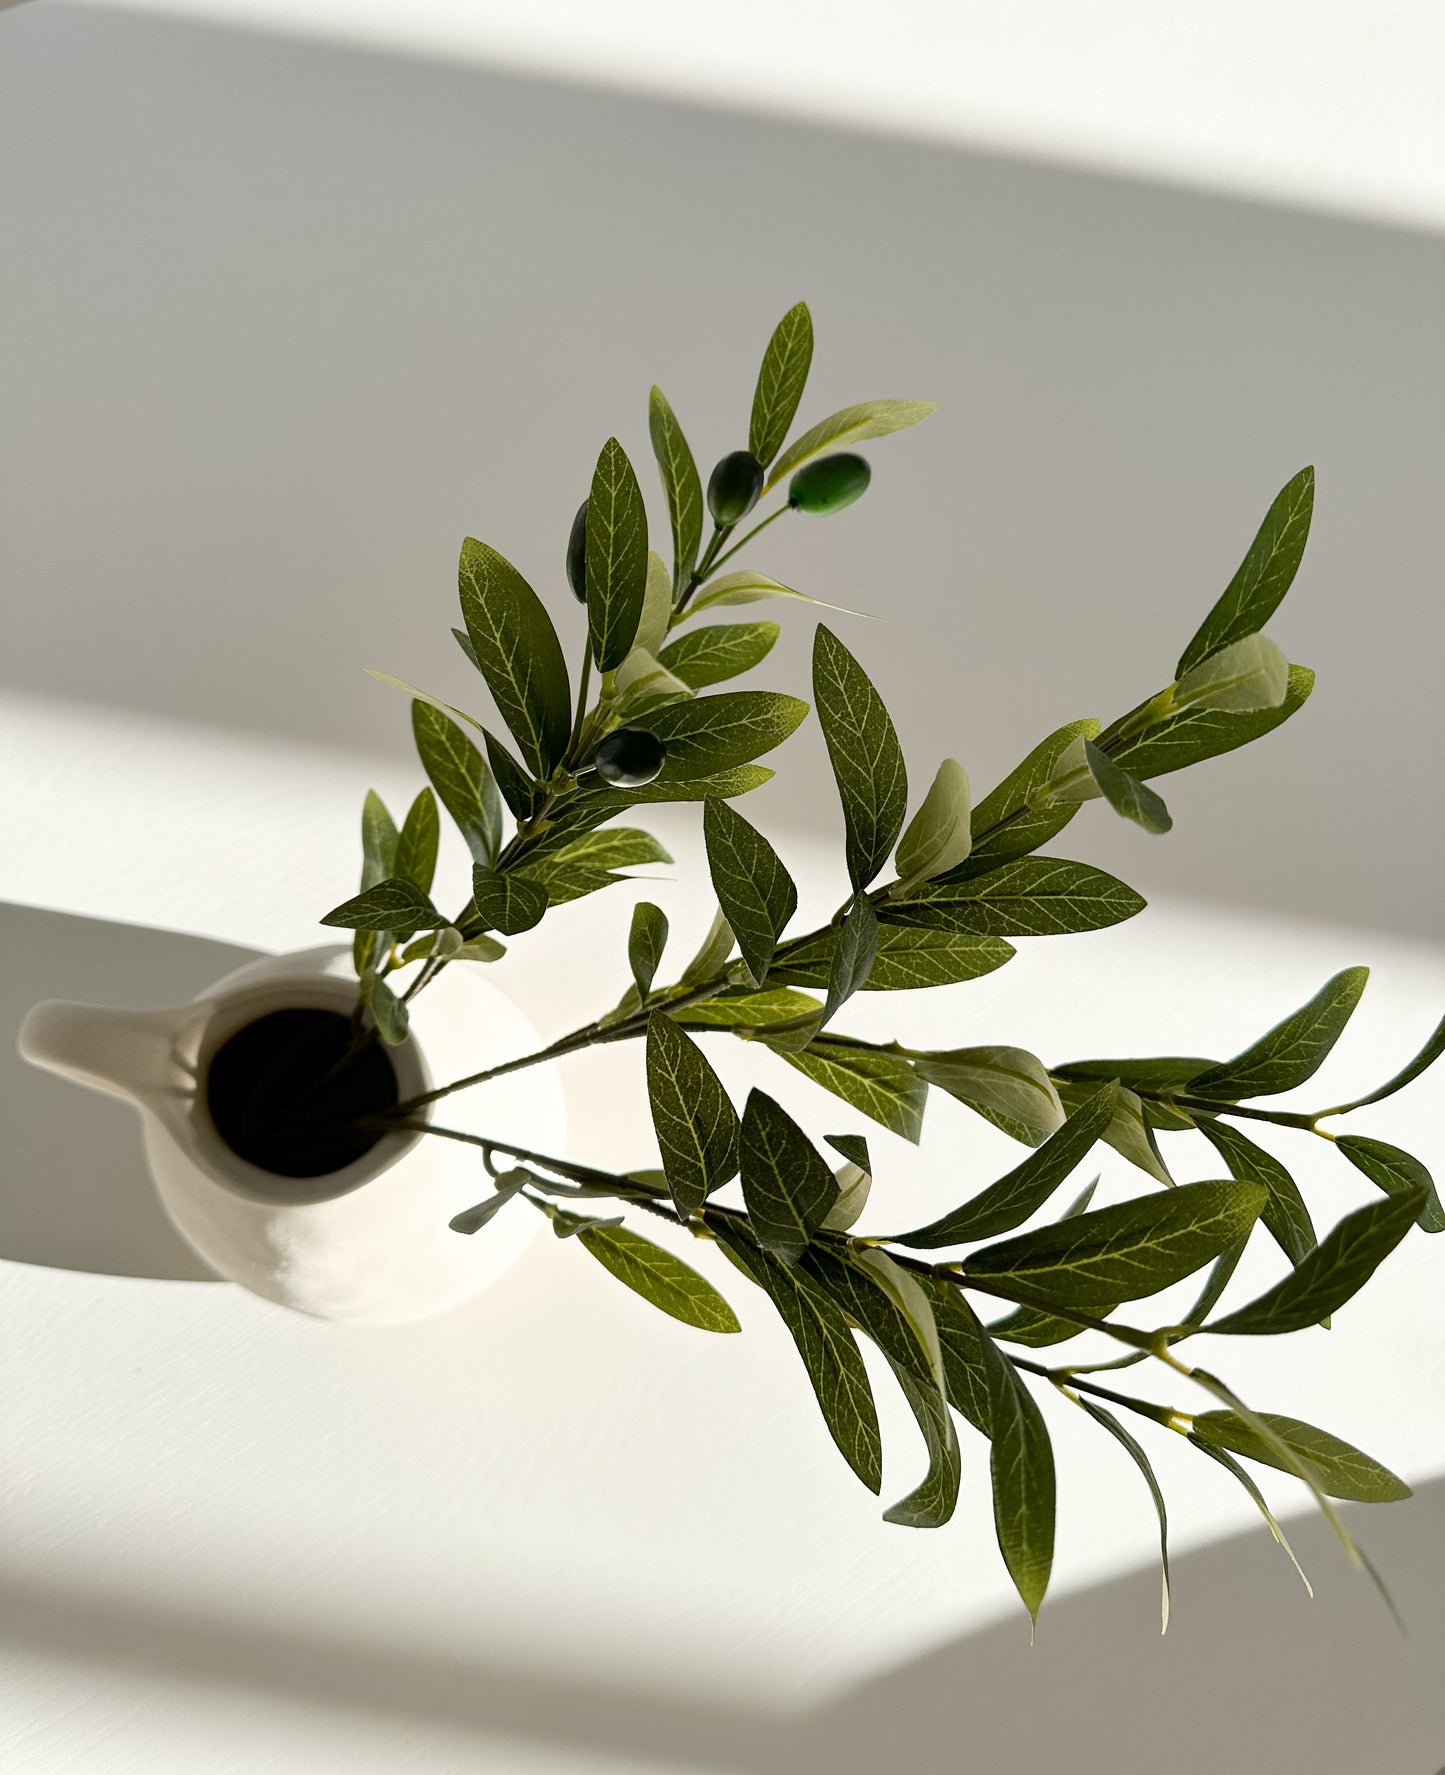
(130, 1054)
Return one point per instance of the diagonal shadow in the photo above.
(76, 1193)
(1253, 1676)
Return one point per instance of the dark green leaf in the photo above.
(695, 1123)
(392, 905)
(646, 941)
(1198, 734)
(780, 382)
(681, 487)
(1157, 1073)
(1342, 1470)
(852, 1147)
(1257, 1497)
(390, 1013)
(737, 779)
(659, 1277)
(1131, 1446)
(507, 903)
(830, 1356)
(1029, 897)
(1133, 1249)
(787, 1186)
(851, 425)
(1285, 1214)
(1264, 576)
(1006, 1086)
(1394, 1171)
(1126, 794)
(1009, 1202)
(1337, 1268)
(379, 839)
(1428, 1055)
(931, 1503)
(472, 1220)
(564, 882)
(620, 847)
(460, 778)
(960, 1338)
(416, 848)
(1004, 824)
(855, 946)
(1215, 1283)
(521, 794)
(1037, 1330)
(753, 888)
(749, 1010)
(866, 757)
(882, 1086)
(616, 557)
(906, 959)
(518, 654)
(1292, 1051)
(1022, 1469)
(725, 650)
(713, 733)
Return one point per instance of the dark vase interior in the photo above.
(281, 1098)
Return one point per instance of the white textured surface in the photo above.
(558, 1479)
(1325, 103)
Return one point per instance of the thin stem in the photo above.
(742, 542)
(1068, 1377)
(584, 682)
(720, 534)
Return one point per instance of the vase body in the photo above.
(370, 1242)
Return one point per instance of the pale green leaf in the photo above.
(659, 1277)
(646, 940)
(933, 1501)
(1249, 674)
(509, 1185)
(938, 837)
(743, 1008)
(390, 1014)
(656, 607)
(746, 587)
(1007, 1086)
(1128, 797)
(1016, 817)
(849, 426)
(883, 1086)
(1197, 734)
(1129, 1133)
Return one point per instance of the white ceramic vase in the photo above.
(370, 1242)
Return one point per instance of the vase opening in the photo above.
(286, 1094)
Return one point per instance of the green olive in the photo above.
(829, 484)
(577, 555)
(734, 487)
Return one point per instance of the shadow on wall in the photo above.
(77, 1193)
(1307, 1688)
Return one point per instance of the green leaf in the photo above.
(1285, 1214)
(747, 587)
(1126, 794)
(1014, 1198)
(507, 903)
(910, 1301)
(425, 696)
(444, 944)
(1136, 1454)
(1249, 674)
(564, 882)
(567, 1226)
(1343, 1471)
(855, 1182)
(1257, 1497)
(746, 1009)
(681, 486)
(508, 1185)
(1029, 897)
(659, 1277)
(1133, 1249)
(755, 891)
(616, 557)
(416, 849)
(646, 940)
(713, 733)
(481, 948)
(725, 650)
(854, 948)
(851, 425)
(462, 781)
(830, 1356)
(1394, 1171)
(853, 1148)
(1198, 734)
(938, 837)
(780, 382)
(1264, 576)
(1428, 1055)
(1154, 1073)
(960, 1338)
(379, 839)
(656, 607)
(712, 953)
(1006, 824)
(390, 1013)
(521, 794)
(933, 1501)
(1292, 1051)
(882, 1086)
(1337, 1268)
(1006, 1086)
(619, 847)
(1215, 1283)
(696, 1124)
(1022, 1469)
(787, 1187)
(906, 959)
(866, 757)
(1129, 1133)
(391, 905)
(640, 685)
(518, 654)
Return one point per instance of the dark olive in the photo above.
(734, 487)
(829, 484)
(630, 757)
(577, 555)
